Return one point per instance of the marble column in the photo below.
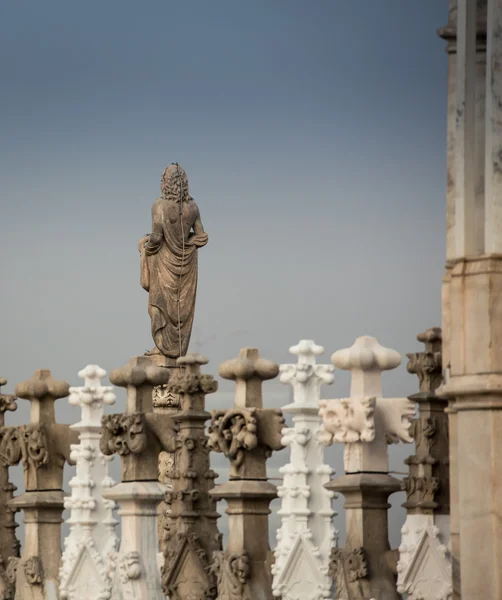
(424, 568)
(449, 34)
(9, 545)
(85, 570)
(138, 437)
(472, 381)
(246, 434)
(366, 423)
(307, 534)
(43, 447)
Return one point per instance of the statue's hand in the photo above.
(143, 241)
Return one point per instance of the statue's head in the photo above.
(174, 184)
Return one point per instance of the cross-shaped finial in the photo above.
(139, 376)
(91, 396)
(305, 376)
(366, 422)
(42, 390)
(248, 371)
(427, 365)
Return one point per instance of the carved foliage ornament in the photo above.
(123, 434)
(190, 383)
(232, 571)
(33, 570)
(233, 432)
(348, 568)
(348, 420)
(26, 443)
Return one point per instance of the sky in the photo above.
(313, 134)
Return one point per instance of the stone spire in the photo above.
(9, 545)
(192, 535)
(366, 423)
(84, 571)
(246, 434)
(424, 568)
(138, 437)
(307, 535)
(43, 446)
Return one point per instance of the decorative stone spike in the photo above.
(43, 446)
(424, 567)
(84, 573)
(138, 437)
(9, 545)
(307, 535)
(366, 422)
(191, 536)
(246, 434)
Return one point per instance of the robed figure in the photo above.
(169, 264)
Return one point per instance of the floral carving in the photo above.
(130, 567)
(348, 420)
(163, 397)
(348, 568)
(123, 434)
(232, 571)
(33, 570)
(233, 432)
(26, 443)
(422, 488)
(7, 588)
(11, 570)
(192, 383)
(427, 365)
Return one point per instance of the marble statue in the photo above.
(169, 264)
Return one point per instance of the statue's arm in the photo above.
(199, 237)
(154, 241)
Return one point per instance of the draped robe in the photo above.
(169, 272)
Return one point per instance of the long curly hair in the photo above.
(174, 184)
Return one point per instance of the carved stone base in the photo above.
(135, 565)
(37, 571)
(367, 542)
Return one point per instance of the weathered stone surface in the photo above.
(247, 434)
(366, 422)
(169, 264)
(424, 567)
(191, 536)
(138, 436)
(307, 535)
(85, 570)
(43, 447)
(9, 545)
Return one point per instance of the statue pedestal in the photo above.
(164, 401)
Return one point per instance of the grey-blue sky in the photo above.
(313, 134)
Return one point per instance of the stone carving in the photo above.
(366, 422)
(246, 434)
(169, 264)
(92, 525)
(123, 434)
(7, 588)
(191, 535)
(232, 571)
(307, 535)
(424, 566)
(33, 570)
(349, 570)
(163, 397)
(138, 436)
(43, 447)
(9, 545)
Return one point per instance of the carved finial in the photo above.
(427, 365)
(305, 376)
(42, 384)
(366, 354)
(139, 374)
(249, 371)
(7, 401)
(192, 359)
(91, 397)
